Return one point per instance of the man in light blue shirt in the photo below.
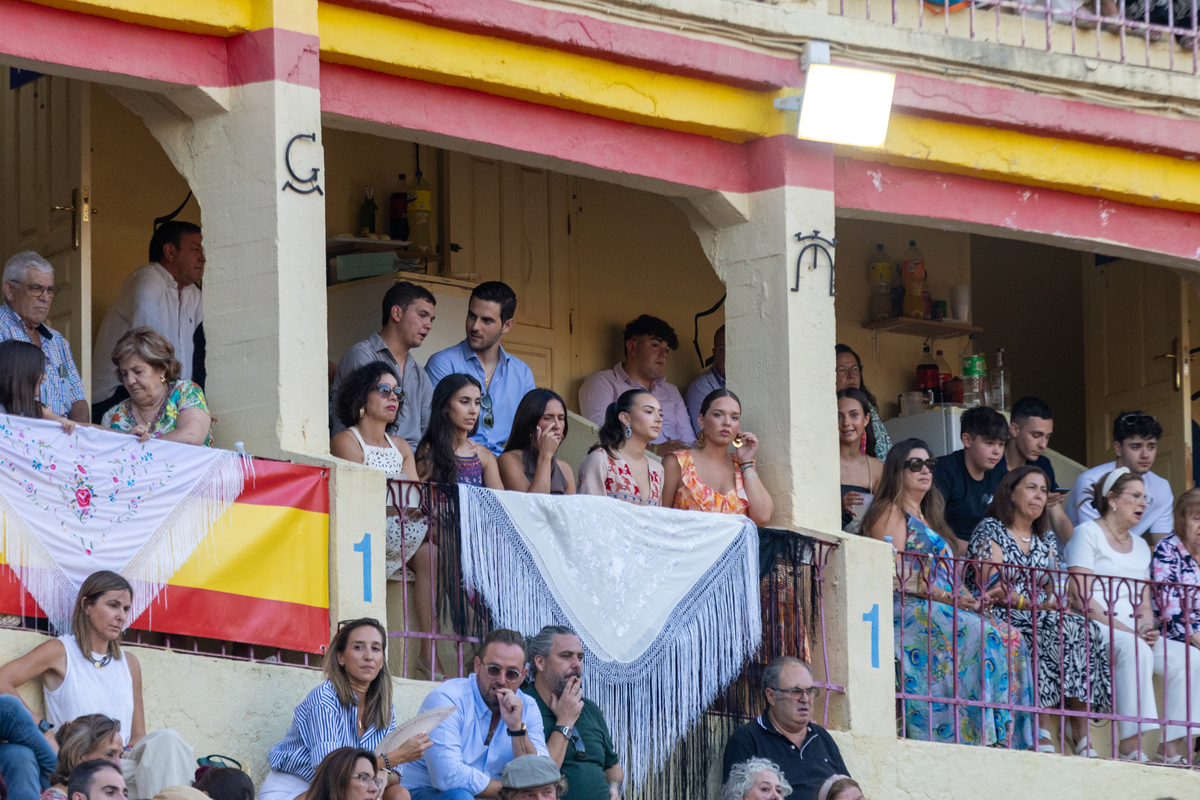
(505, 379)
(493, 723)
(709, 381)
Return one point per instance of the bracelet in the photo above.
(387, 764)
(745, 464)
(748, 475)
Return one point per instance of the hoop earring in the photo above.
(628, 431)
(701, 439)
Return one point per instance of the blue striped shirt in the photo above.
(321, 725)
(63, 386)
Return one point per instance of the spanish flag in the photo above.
(261, 576)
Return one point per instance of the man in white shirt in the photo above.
(162, 295)
(1135, 443)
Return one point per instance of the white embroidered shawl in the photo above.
(666, 602)
(100, 500)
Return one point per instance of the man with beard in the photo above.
(505, 379)
(494, 722)
(578, 738)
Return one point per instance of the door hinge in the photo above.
(571, 322)
(568, 224)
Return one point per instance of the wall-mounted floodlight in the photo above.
(842, 105)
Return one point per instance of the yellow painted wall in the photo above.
(948, 262)
(133, 182)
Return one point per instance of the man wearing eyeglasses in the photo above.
(28, 292)
(968, 478)
(505, 378)
(785, 733)
(494, 722)
(578, 738)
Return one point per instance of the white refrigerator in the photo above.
(940, 428)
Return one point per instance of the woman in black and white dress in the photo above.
(1072, 656)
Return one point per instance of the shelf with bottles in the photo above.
(925, 328)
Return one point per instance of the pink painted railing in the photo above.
(1165, 39)
(916, 582)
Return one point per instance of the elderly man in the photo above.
(28, 291)
(785, 733)
(162, 295)
(578, 738)
(494, 722)
(532, 778)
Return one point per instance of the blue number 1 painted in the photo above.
(872, 617)
(364, 547)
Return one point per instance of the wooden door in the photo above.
(45, 196)
(1135, 343)
(509, 223)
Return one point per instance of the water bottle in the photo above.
(420, 203)
(366, 214)
(974, 375)
(912, 271)
(1001, 394)
(880, 270)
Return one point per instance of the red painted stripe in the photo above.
(1043, 115)
(679, 158)
(68, 38)
(278, 483)
(884, 188)
(611, 40)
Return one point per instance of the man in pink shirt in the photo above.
(647, 341)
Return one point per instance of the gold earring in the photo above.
(700, 439)
(163, 378)
(362, 412)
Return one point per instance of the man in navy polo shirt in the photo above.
(785, 732)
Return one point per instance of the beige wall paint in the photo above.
(948, 262)
(1028, 299)
(133, 182)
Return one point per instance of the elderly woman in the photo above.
(1176, 564)
(756, 779)
(160, 406)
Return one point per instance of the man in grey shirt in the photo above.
(408, 313)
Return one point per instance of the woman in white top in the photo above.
(618, 466)
(1105, 546)
(86, 672)
(367, 402)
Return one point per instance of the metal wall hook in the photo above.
(818, 244)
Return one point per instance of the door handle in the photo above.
(1178, 360)
(73, 208)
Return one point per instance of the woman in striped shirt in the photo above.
(351, 708)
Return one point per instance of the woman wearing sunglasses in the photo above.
(351, 709)
(446, 453)
(930, 614)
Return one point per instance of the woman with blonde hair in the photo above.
(90, 736)
(160, 406)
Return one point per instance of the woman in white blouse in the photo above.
(1106, 546)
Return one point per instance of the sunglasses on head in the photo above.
(511, 675)
(915, 464)
(485, 403)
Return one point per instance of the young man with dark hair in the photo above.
(98, 779)
(1135, 444)
(1030, 427)
(708, 381)
(505, 378)
(968, 478)
(647, 341)
(408, 314)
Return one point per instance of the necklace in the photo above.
(102, 663)
(1120, 541)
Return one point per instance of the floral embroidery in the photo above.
(183, 395)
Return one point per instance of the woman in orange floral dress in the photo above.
(707, 477)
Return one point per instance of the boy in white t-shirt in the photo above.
(1135, 443)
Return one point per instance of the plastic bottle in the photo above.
(398, 210)
(1001, 394)
(366, 214)
(975, 383)
(944, 375)
(928, 376)
(912, 272)
(880, 270)
(420, 203)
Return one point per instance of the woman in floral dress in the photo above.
(618, 466)
(942, 641)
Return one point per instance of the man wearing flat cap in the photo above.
(531, 778)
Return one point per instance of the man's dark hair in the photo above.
(986, 422)
(1028, 407)
(1135, 423)
(404, 294)
(655, 328)
(497, 292)
(82, 775)
(225, 783)
(501, 636)
(170, 233)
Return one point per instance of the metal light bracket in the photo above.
(818, 244)
(789, 103)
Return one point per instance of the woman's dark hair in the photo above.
(612, 432)
(525, 420)
(436, 448)
(1096, 495)
(1003, 508)
(377, 705)
(891, 489)
(225, 783)
(838, 349)
(714, 396)
(860, 397)
(21, 365)
(353, 393)
(334, 773)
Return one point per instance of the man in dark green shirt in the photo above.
(576, 734)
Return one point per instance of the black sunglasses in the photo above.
(580, 747)
(915, 464)
(486, 403)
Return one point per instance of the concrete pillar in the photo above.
(265, 280)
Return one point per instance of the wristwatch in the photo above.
(521, 732)
(45, 726)
(566, 730)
